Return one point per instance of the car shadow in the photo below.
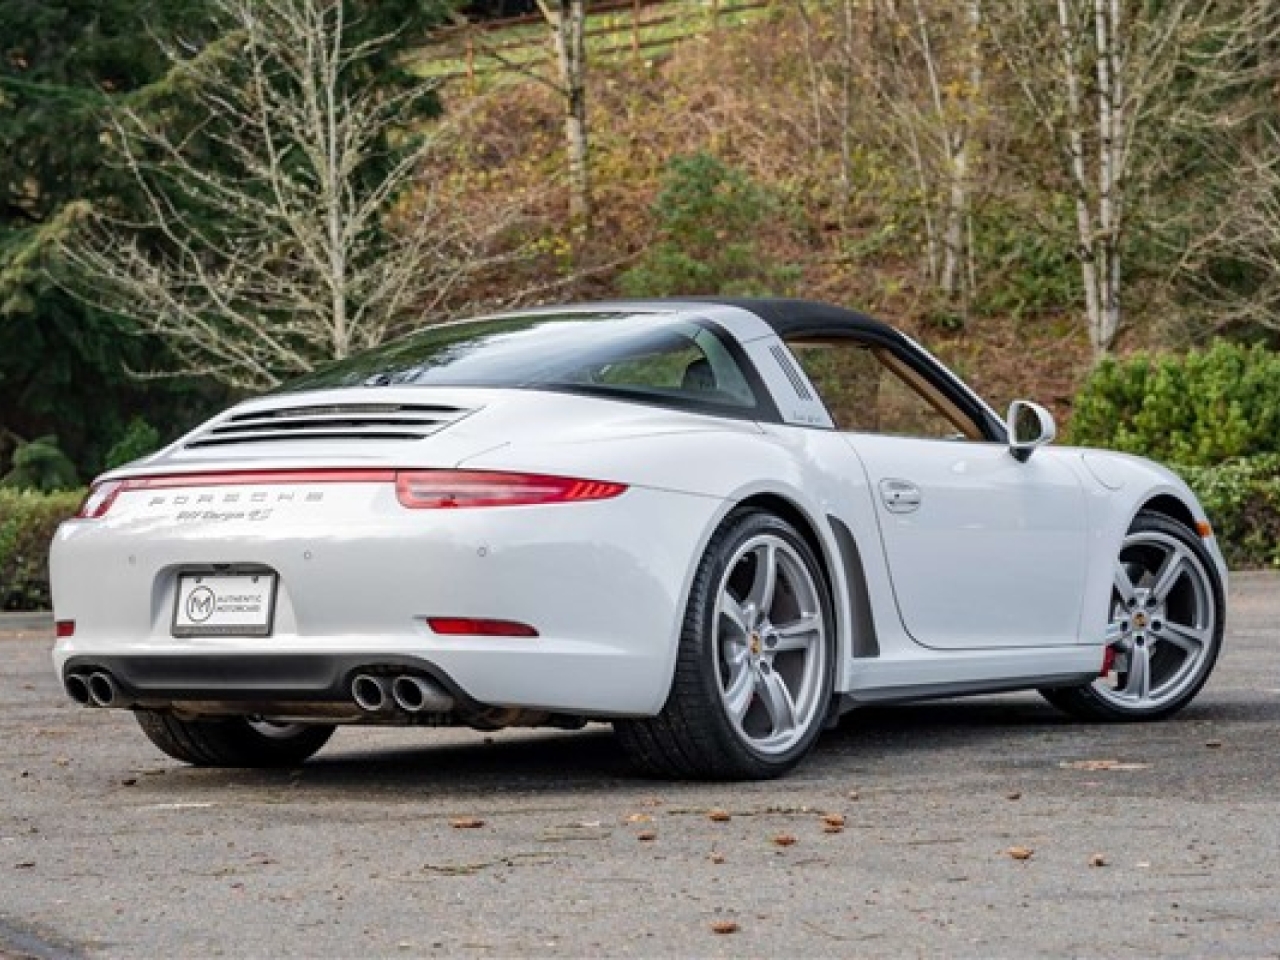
(993, 732)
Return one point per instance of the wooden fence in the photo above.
(640, 29)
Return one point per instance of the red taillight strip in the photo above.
(479, 627)
(64, 628)
(450, 489)
(415, 489)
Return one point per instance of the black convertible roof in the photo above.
(785, 315)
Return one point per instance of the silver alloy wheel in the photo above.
(1163, 622)
(771, 644)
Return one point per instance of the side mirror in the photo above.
(1029, 426)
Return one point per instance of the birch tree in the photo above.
(289, 226)
(568, 22)
(1097, 76)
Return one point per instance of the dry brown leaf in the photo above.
(1213, 744)
(1020, 853)
(834, 819)
(719, 816)
(716, 858)
(647, 835)
(1015, 795)
(466, 823)
(853, 795)
(639, 818)
(784, 839)
(1102, 765)
(832, 828)
(1097, 860)
(725, 926)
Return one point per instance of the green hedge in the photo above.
(1199, 409)
(27, 522)
(1242, 498)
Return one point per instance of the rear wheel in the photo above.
(754, 672)
(1165, 628)
(233, 741)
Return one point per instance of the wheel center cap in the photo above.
(1139, 621)
(754, 644)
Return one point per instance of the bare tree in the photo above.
(1097, 75)
(568, 22)
(286, 228)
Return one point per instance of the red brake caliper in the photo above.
(1108, 659)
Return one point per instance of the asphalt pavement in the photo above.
(989, 827)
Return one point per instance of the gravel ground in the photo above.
(896, 838)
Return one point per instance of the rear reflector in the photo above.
(446, 489)
(65, 628)
(474, 627)
(1204, 528)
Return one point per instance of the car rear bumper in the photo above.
(603, 584)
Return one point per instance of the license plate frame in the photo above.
(218, 604)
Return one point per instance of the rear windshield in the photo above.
(647, 357)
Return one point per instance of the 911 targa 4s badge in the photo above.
(714, 524)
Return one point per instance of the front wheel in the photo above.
(1165, 628)
(233, 741)
(754, 671)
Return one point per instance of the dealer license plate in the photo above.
(224, 604)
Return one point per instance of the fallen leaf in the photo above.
(1020, 853)
(466, 823)
(853, 795)
(1212, 744)
(716, 858)
(725, 926)
(639, 818)
(719, 816)
(834, 819)
(61, 761)
(647, 835)
(24, 865)
(1102, 765)
(1097, 860)
(1015, 795)
(128, 781)
(784, 839)
(832, 828)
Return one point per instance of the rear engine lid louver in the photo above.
(330, 422)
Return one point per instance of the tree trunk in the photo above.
(568, 30)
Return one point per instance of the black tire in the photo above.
(1201, 599)
(232, 741)
(695, 736)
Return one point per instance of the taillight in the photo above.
(445, 489)
(479, 627)
(64, 628)
(99, 499)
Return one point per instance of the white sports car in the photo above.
(715, 524)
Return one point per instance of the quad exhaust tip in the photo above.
(371, 694)
(77, 688)
(416, 695)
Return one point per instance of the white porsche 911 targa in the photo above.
(715, 524)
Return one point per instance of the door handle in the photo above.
(900, 496)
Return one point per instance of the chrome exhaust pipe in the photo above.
(103, 690)
(371, 694)
(77, 688)
(416, 695)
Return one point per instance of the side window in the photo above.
(868, 390)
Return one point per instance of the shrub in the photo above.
(1242, 498)
(1201, 409)
(27, 522)
(138, 439)
(40, 464)
(708, 215)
